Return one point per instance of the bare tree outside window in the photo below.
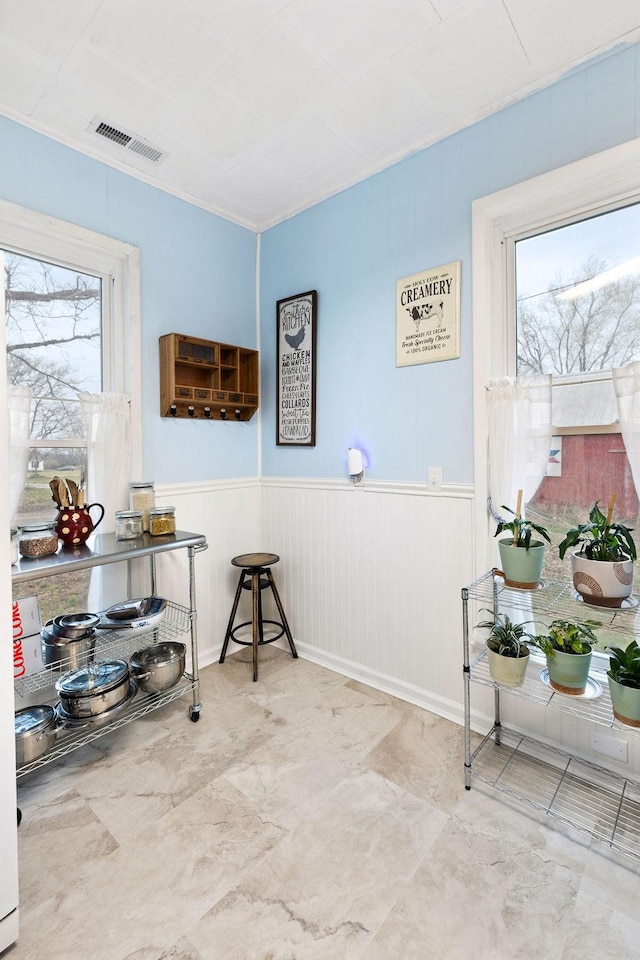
(597, 330)
(54, 346)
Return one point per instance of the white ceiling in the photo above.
(265, 107)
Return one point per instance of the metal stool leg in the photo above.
(257, 624)
(276, 597)
(234, 609)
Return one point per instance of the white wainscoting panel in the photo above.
(226, 512)
(371, 579)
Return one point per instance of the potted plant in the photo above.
(507, 652)
(520, 555)
(602, 569)
(624, 683)
(567, 647)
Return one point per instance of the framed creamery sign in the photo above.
(296, 370)
(428, 316)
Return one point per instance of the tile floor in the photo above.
(304, 817)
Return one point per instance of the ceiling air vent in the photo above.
(127, 140)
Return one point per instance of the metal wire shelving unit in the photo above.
(120, 643)
(589, 798)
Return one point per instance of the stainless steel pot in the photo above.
(101, 719)
(94, 688)
(158, 667)
(36, 732)
(75, 626)
(57, 651)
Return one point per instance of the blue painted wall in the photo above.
(197, 277)
(416, 215)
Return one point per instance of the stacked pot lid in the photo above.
(69, 639)
(94, 688)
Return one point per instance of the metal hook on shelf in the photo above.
(207, 412)
(191, 410)
(173, 410)
(238, 414)
(223, 413)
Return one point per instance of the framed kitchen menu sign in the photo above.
(296, 370)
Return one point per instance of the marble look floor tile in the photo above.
(614, 880)
(49, 845)
(307, 757)
(324, 890)
(238, 670)
(487, 812)
(482, 896)
(598, 931)
(304, 817)
(422, 755)
(183, 863)
(142, 784)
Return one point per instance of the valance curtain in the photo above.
(19, 405)
(626, 384)
(519, 437)
(108, 421)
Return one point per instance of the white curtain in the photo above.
(108, 421)
(19, 403)
(519, 437)
(626, 383)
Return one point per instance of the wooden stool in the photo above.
(256, 576)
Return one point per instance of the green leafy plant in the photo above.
(625, 665)
(520, 529)
(506, 638)
(600, 539)
(567, 637)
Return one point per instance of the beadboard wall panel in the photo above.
(371, 581)
(226, 512)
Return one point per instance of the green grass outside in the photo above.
(66, 593)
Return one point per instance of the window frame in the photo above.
(585, 188)
(117, 263)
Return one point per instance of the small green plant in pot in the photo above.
(521, 556)
(602, 567)
(507, 652)
(624, 683)
(567, 647)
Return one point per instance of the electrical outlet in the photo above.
(608, 746)
(434, 478)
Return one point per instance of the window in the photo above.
(578, 192)
(72, 323)
(577, 316)
(527, 213)
(54, 346)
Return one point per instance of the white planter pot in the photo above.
(600, 582)
(507, 671)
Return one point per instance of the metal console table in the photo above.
(595, 800)
(98, 551)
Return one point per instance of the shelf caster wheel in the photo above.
(194, 714)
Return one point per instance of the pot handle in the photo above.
(63, 724)
(140, 676)
(97, 522)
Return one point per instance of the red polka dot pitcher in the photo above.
(74, 524)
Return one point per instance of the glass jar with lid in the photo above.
(128, 524)
(38, 539)
(162, 520)
(142, 497)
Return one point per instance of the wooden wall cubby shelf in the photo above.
(207, 380)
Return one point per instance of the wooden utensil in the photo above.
(53, 483)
